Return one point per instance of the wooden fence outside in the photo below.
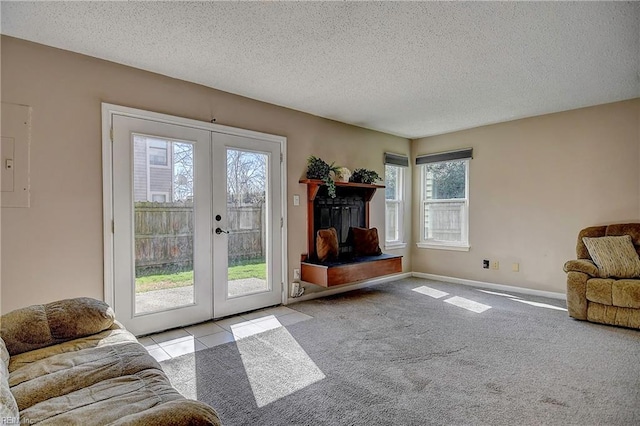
(164, 235)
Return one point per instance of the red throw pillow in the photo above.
(327, 244)
(365, 242)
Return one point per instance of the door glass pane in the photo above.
(247, 196)
(163, 172)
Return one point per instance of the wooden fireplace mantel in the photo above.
(352, 197)
(313, 185)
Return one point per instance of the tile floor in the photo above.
(181, 341)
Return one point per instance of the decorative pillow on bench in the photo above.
(327, 244)
(614, 256)
(365, 242)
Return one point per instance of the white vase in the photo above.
(342, 175)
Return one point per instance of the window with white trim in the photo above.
(159, 197)
(394, 204)
(394, 181)
(444, 215)
(158, 152)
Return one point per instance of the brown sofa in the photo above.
(71, 363)
(614, 301)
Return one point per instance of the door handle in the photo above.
(220, 231)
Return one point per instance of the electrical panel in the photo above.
(14, 155)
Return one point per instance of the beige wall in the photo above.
(534, 183)
(53, 249)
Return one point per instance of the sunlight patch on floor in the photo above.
(540, 305)
(467, 304)
(518, 299)
(432, 292)
(477, 307)
(460, 302)
(499, 294)
(275, 364)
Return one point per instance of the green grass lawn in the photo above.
(183, 279)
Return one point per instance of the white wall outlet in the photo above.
(295, 289)
(495, 265)
(296, 200)
(296, 274)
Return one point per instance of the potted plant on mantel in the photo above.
(364, 176)
(319, 169)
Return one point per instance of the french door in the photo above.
(247, 236)
(196, 223)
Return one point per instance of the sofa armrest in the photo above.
(582, 265)
(577, 294)
(38, 326)
(181, 412)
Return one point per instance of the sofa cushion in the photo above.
(327, 244)
(39, 326)
(174, 413)
(616, 315)
(106, 401)
(592, 231)
(626, 293)
(8, 406)
(614, 256)
(365, 242)
(632, 229)
(599, 290)
(65, 373)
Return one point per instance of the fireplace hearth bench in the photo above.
(350, 208)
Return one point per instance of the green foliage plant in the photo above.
(364, 176)
(448, 179)
(319, 169)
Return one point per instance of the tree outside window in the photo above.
(183, 171)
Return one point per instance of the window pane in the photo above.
(444, 221)
(182, 172)
(445, 181)
(163, 225)
(157, 152)
(247, 199)
(391, 182)
(393, 195)
(392, 215)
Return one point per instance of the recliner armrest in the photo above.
(582, 265)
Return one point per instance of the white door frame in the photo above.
(108, 111)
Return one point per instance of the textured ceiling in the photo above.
(409, 69)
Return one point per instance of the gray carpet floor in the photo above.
(388, 355)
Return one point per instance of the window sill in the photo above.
(454, 247)
(394, 246)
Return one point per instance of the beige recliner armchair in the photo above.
(597, 294)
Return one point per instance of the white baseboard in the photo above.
(482, 284)
(342, 289)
